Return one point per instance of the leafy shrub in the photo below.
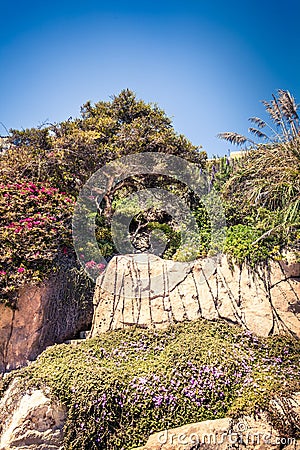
(242, 244)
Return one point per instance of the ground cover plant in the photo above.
(122, 386)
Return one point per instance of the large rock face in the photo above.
(148, 291)
(30, 421)
(45, 315)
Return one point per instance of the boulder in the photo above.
(219, 434)
(30, 420)
(244, 433)
(147, 291)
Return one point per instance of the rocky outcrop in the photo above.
(150, 292)
(46, 314)
(30, 420)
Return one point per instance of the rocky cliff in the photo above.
(46, 314)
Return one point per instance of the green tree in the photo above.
(63, 156)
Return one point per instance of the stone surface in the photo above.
(30, 420)
(293, 446)
(219, 434)
(245, 433)
(150, 292)
(46, 314)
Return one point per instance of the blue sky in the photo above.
(207, 65)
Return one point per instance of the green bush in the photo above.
(243, 245)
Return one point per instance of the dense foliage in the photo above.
(263, 204)
(124, 385)
(43, 170)
(262, 193)
(34, 231)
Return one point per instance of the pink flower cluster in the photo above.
(30, 222)
(32, 188)
(93, 265)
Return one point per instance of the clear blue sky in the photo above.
(207, 64)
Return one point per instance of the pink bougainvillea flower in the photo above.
(2, 272)
(21, 270)
(90, 264)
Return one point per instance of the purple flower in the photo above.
(158, 399)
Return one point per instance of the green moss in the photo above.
(124, 385)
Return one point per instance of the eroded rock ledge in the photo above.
(150, 292)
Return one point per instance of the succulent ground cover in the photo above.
(126, 384)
